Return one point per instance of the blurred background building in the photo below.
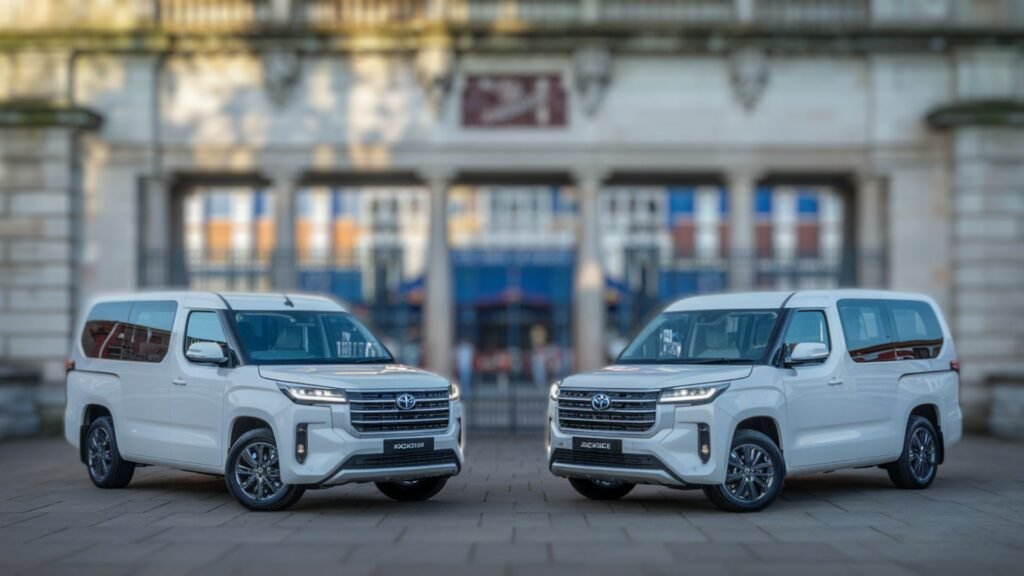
(507, 189)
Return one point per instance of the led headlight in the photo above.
(454, 392)
(690, 395)
(313, 394)
(554, 390)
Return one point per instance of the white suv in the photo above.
(277, 393)
(733, 393)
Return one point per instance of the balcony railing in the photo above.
(35, 16)
(226, 15)
(827, 13)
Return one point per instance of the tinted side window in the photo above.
(807, 326)
(205, 326)
(149, 333)
(104, 333)
(866, 327)
(918, 334)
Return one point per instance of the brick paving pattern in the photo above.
(507, 515)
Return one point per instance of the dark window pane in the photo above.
(149, 331)
(918, 334)
(104, 332)
(867, 331)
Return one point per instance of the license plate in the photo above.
(597, 445)
(409, 446)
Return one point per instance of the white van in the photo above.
(277, 393)
(732, 393)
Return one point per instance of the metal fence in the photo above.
(515, 409)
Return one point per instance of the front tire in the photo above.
(253, 473)
(106, 467)
(412, 490)
(919, 463)
(754, 474)
(601, 489)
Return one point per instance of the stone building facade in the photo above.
(739, 121)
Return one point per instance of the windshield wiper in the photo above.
(374, 360)
(718, 361)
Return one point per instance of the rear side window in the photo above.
(918, 334)
(149, 334)
(104, 333)
(869, 336)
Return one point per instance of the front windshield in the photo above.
(703, 337)
(306, 337)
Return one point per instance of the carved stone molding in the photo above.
(592, 66)
(282, 70)
(435, 72)
(749, 72)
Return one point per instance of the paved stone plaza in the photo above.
(506, 515)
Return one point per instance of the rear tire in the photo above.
(601, 489)
(919, 463)
(413, 490)
(103, 460)
(754, 474)
(253, 473)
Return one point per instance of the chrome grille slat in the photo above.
(629, 411)
(376, 412)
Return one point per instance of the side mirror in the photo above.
(206, 353)
(806, 353)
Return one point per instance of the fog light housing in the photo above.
(301, 442)
(704, 442)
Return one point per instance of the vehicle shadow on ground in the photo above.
(796, 491)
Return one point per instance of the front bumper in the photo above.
(667, 454)
(336, 454)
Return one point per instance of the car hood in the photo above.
(638, 377)
(357, 376)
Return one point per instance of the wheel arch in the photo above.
(243, 423)
(90, 413)
(930, 411)
(765, 424)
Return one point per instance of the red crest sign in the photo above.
(514, 101)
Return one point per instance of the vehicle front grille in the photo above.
(369, 461)
(629, 410)
(377, 412)
(581, 458)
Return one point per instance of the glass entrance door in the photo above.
(513, 256)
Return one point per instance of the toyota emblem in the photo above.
(600, 402)
(405, 401)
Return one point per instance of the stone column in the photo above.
(588, 293)
(870, 232)
(438, 312)
(284, 274)
(156, 257)
(741, 230)
(987, 271)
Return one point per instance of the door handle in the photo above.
(835, 382)
(179, 382)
